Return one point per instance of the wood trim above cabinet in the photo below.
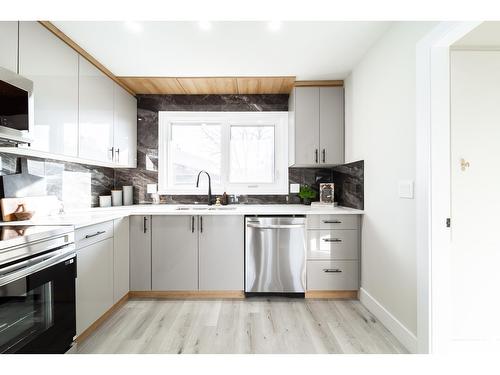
(70, 42)
(327, 83)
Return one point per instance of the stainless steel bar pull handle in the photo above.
(95, 234)
(112, 150)
(145, 224)
(324, 156)
(316, 155)
(332, 240)
(192, 224)
(332, 222)
(117, 153)
(332, 270)
(201, 224)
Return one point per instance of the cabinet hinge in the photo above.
(448, 222)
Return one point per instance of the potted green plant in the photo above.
(306, 194)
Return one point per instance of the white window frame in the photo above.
(226, 119)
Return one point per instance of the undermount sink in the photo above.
(204, 208)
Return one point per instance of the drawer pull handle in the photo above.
(332, 270)
(332, 240)
(332, 222)
(95, 234)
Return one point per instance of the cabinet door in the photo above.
(95, 113)
(306, 125)
(221, 253)
(8, 45)
(125, 128)
(331, 125)
(94, 283)
(121, 262)
(140, 253)
(53, 67)
(175, 253)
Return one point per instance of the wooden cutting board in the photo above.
(41, 206)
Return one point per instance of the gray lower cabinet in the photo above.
(94, 283)
(197, 253)
(221, 253)
(174, 263)
(140, 253)
(121, 258)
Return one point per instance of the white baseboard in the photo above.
(403, 334)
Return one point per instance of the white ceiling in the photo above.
(308, 50)
(486, 35)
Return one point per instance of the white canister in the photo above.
(128, 195)
(116, 197)
(105, 201)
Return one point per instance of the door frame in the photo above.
(433, 178)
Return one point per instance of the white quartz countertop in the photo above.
(92, 216)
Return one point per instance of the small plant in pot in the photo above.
(306, 194)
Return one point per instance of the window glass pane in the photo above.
(195, 147)
(251, 154)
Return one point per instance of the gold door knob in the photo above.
(464, 164)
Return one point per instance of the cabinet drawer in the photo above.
(93, 233)
(333, 244)
(333, 221)
(332, 275)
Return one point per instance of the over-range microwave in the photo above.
(16, 107)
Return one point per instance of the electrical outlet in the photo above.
(151, 189)
(294, 188)
(405, 189)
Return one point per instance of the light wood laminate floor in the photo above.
(253, 325)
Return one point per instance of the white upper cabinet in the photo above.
(96, 105)
(8, 45)
(125, 128)
(53, 68)
(316, 126)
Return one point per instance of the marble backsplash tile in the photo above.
(76, 185)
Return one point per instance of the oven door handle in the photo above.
(276, 226)
(30, 266)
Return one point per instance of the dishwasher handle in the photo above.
(275, 226)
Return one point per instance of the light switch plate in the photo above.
(294, 188)
(405, 189)
(151, 189)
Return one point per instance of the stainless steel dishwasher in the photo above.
(275, 255)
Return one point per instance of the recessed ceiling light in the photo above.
(205, 25)
(274, 25)
(133, 26)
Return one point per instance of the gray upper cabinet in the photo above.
(331, 125)
(140, 253)
(96, 107)
(174, 264)
(53, 67)
(125, 128)
(8, 45)
(316, 126)
(221, 253)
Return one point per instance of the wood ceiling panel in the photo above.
(153, 85)
(265, 85)
(319, 83)
(209, 85)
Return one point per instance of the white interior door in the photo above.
(475, 199)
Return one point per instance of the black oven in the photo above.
(37, 302)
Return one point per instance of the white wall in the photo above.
(380, 129)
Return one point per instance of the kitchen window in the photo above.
(244, 152)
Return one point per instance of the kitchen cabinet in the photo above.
(221, 258)
(124, 128)
(8, 45)
(121, 258)
(197, 253)
(96, 106)
(53, 67)
(94, 283)
(316, 128)
(140, 253)
(174, 263)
